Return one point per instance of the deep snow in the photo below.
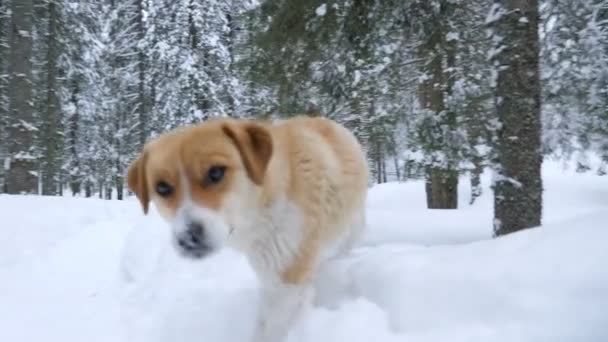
(92, 270)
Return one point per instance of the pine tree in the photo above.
(575, 75)
(81, 96)
(518, 188)
(22, 168)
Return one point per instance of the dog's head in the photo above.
(203, 180)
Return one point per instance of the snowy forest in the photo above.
(434, 89)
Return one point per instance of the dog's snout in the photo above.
(196, 232)
(193, 240)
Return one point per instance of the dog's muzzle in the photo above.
(193, 242)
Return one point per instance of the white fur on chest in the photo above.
(270, 238)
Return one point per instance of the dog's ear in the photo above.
(137, 182)
(254, 143)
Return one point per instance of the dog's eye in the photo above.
(214, 175)
(164, 189)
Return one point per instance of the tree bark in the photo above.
(51, 118)
(141, 65)
(476, 189)
(442, 177)
(441, 188)
(88, 189)
(4, 18)
(75, 179)
(441, 182)
(22, 169)
(119, 188)
(518, 191)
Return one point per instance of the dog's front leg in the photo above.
(280, 307)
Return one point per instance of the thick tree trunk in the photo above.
(442, 177)
(4, 18)
(21, 176)
(52, 118)
(441, 182)
(441, 188)
(518, 192)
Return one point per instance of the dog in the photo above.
(289, 194)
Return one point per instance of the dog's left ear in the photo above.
(137, 182)
(254, 143)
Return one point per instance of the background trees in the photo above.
(434, 89)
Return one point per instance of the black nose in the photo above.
(192, 240)
(195, 232)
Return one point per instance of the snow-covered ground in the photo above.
(76, 270)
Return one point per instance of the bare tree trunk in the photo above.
(22, 169)
(50, 165)
(518, 192)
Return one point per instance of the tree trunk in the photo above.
(231, 43)
(518, 191)
(397, 170)
(119, 188)
(141, 65)
(441, 182)
(52, 118)
(73, 122)
(88, 189)
(441, 188)
(476, 189)
(442, 177)
(22, 169)
(60, 183)
(4, 18)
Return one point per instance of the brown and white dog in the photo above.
(290, 195)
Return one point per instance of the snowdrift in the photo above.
(77, 269)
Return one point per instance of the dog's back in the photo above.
(328, 178)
